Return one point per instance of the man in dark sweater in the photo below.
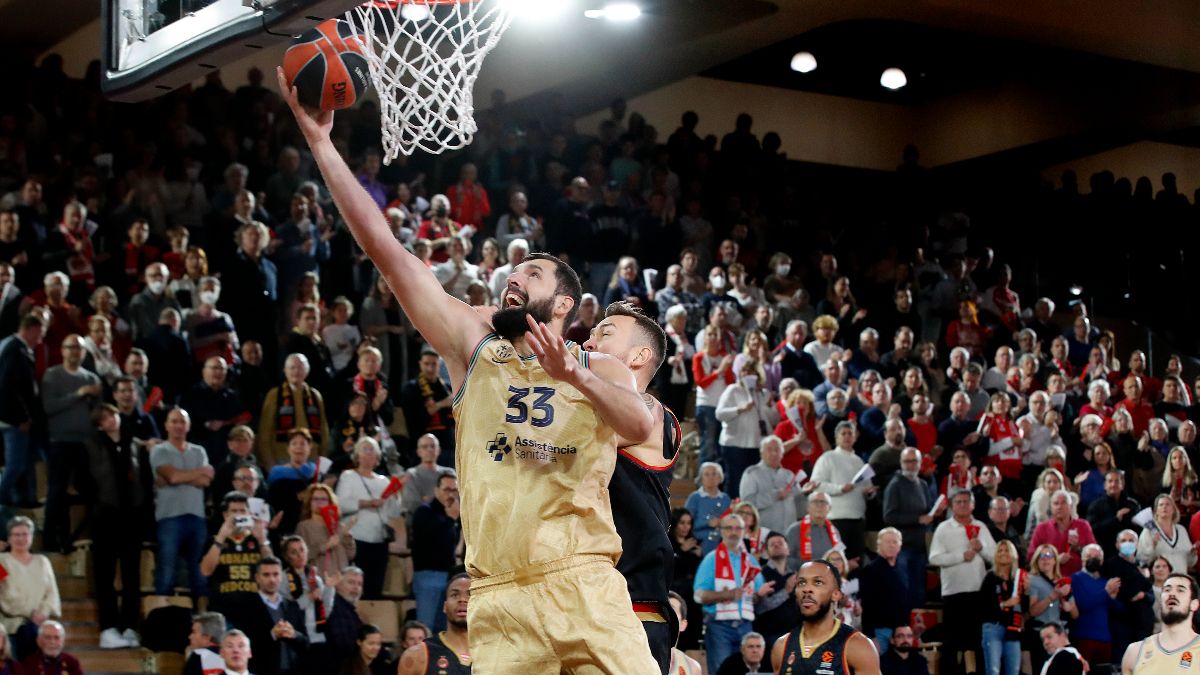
(959, 430)
(273, 623)
(342, 623)
(902, 658)
(1112, 513)
(20, 411)
(883, 590)
(777, 613)
(906, 507)
(435, 536)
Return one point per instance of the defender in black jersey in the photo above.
(640, 490)
(446, 653)
(822, 644)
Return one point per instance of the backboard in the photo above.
(153, 46)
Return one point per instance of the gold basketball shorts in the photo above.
(566, 616)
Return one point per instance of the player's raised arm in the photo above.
(446, 322)
(606, 382)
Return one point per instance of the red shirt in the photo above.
(926, 434)
(469, 204)
(1141, 413)
(796, 459)
(1048, 533)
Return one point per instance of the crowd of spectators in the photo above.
(202, 356)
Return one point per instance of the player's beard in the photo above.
(510, 322)
(453, 620)
(1174, 617)
(820, 615)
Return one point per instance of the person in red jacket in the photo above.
(1134, 402)
(712, 370)
(468, 200)
(50, 659)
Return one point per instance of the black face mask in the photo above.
(1092, 565)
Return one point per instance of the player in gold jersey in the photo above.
(538, 422)
(1177, 648)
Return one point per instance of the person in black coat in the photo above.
(170, 358)
(796, 363)
(1134, 620)
(1064, 659)
(20, 410)
(902, 658)
(1112, 513)
(276, 630)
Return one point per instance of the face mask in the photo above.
(156, 287)
(209, 297)
(1128, 548)
(1092, 565)
(717, 283)
(782, 270)
(751, 381)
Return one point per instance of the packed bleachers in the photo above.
(203, 366)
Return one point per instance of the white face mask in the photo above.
(717, 282)
(751, 381)
(782, 270)
(209, 297)
(156, 287)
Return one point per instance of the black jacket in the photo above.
(892, 664)
(1102, 516)
(18, 380)
(270, 656)
(800, 365)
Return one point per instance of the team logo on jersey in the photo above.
(499, 447)
(791, 658)
(1185, 661)
(502, 353)
(443, 662)
(827, 657)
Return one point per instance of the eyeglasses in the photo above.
(737, 528)
(1048, 556)
(820, 502)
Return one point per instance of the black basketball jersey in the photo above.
(828, 658)
(641, 499)
(441, 659)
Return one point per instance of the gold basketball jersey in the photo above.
(534, 462)
(1152, 659)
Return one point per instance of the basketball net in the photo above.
(424, 61)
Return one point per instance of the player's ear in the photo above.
(1195, 604)
(643, 356)
(563, 305)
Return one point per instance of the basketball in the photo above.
(328, 66)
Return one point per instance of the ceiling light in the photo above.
(804, 62)
(617, 11)
(415, 12)
(893, 78)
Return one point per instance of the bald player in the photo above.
(822, 643)
(538, 423)
(1173, 649)
(446, 653)
(641, 484)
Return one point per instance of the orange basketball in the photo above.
(328, 66)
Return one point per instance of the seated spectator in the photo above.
(996, 378)
(902, 658)
(867, 356)
(271, 621)
(1063, 658)
(749, 658)
(50, 658)
(435, 537)
(292, 405)
(372, 658)
(114, 463)
(413, 633)
(329, 543)
(208, 630)
(29, 594)
(516, 250)
(285, 482)
(181, 472)
(1165, 537)
(9, 665)
(360, 493)
(238, 546)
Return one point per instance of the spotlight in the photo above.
(1075, 290)
(804, 62)
(893, 78)
(415, 12)
(617, 11)
(538, 10)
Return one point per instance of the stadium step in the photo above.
(117, 661)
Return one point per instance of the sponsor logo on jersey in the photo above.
(499, 447)
(503, 353)
(528, 449)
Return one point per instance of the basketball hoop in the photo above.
(424, 58)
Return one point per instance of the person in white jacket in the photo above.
(360, 494)
(747, 416)
(834, 473)
(963, 548)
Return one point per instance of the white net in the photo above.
(424, 57)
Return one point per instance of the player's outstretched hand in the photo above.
(314, 124)
(551, 350)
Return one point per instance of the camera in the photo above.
(243, 522)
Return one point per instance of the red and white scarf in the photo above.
(806, 552)
(725, 579)
(1003, 451)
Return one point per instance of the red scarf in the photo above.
(724, 566)
(806, 537)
